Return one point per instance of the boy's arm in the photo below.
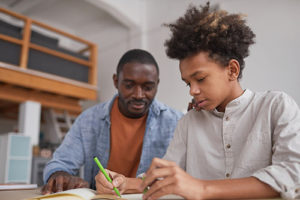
(284, 172)
(177, 181)
(237, 189)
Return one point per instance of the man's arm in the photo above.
(66, 161)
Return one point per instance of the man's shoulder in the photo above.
(99, 110)
(164, 110)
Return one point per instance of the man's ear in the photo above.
(233, 70)
(115, 79)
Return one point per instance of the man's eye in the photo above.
(148, 88)
(188, 84)
(128, 86)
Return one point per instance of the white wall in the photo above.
(273, 61)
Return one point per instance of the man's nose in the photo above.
(138, 92)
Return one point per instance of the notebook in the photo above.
(88, 194)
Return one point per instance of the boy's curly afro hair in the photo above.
(224, 36)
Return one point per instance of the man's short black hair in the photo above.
(138, 56)
(224, 36)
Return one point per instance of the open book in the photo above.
(88, 194)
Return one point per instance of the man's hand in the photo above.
(193, 105)
(103, 186)
(60, 181)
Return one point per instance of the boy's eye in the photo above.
(200, 79)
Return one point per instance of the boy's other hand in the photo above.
(165, 177)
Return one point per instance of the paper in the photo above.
(140, 196)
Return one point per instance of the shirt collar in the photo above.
(239, 103)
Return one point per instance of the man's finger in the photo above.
(47, 189)
(118, 180)
(83, 184)
(71, 184)
(100, 178)
(59, 183)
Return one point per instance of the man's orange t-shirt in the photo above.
(126, 141)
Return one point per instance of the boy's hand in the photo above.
(165, 177)
(103, 186)
(60, 181)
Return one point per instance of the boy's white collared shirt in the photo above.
(257, 135)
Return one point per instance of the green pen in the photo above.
(147, 188)
(105, 174)
(142, 176)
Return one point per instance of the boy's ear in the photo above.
(233, 69)
(115, 79)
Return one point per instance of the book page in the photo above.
(73, 194)
(85, 193)
(140, 196)
(89, 194)
(131, 197)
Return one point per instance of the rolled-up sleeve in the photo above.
(284, 173)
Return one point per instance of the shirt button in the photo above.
(227, 175)
(227, 118)
(228, 146)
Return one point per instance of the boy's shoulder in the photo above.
(270, 96)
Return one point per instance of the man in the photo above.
(124, 133)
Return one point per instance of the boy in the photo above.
(235, 143)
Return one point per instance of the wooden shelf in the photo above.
(19, 84)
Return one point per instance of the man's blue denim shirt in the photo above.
(90, 136)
